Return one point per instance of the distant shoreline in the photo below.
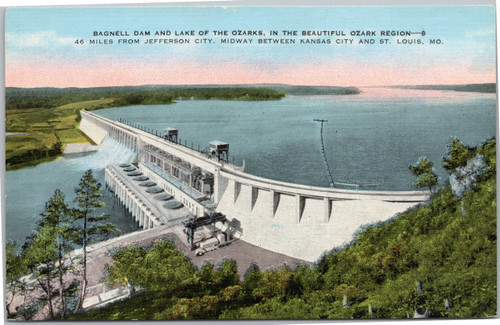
(489, 88)
(48, 97)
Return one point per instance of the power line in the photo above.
(323, 152)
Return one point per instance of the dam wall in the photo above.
(302, 227)
(92, 130)
(305, 222)
(297, 220)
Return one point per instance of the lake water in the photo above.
(369, 138)
(29, 188)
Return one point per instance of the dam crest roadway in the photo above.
(292, 219)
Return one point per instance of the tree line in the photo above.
(35, 154)
(43, 257)
(23, 98)
(457, 159)
(480, 88)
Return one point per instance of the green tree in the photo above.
(44, 250)
(161, 268)
(226, 275)
(308, 279)
(14, 269)
(56, 216)
(274, 283)
(458, 154)
(91, 227)
(206, 276)
(251, 281)
(39, 254)
(425, 173)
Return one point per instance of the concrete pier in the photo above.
(146, 210)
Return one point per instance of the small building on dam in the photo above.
(296, 220)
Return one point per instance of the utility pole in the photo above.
(323, 152)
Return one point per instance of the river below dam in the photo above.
(370, 138)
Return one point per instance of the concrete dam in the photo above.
(296, 220)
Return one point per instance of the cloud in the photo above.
(486, 32)
(39, 39)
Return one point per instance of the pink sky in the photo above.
(41, 50)
(76, 74)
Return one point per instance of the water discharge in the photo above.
(110, 152)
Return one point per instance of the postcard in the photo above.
(250, 162)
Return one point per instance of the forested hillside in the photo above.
(439, 258)
(19, 98)
(477, 88)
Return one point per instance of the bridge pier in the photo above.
(219, 185)
(254, 192)
(327, 209)
(236, 188)
(135, 207)
(137, 219)
(274, 200)
(299, 207)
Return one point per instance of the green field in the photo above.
(44, 133)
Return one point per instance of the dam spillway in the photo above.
(293, 219)
(144, 207)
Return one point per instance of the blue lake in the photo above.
(369, 138)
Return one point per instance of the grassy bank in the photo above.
(447, 246)
(48, 118)
(45, 132)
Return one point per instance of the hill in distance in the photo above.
(477, 88)
(296, 90)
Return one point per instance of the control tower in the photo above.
(220, 150)
(171, 134)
